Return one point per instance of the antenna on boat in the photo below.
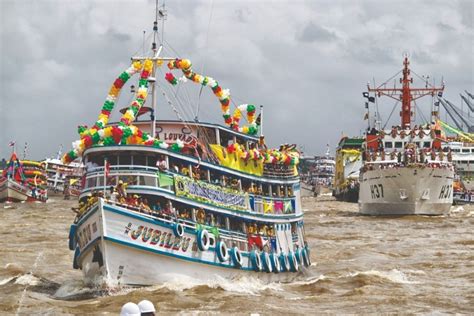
(159, 15)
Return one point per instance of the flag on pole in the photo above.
(24, 150)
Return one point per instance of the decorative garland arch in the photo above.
(222, 94)
(124, 132)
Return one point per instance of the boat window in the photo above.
(139, 160)
(427, 145)
(151, 161)
(146, 180)
(112, 159)
(466, 150)
(456, 150)
(388, 145)
(91, 182)
(398, 144)
(130, 180)
(111, 180)
(96, 160)
(125, 160)
(417, 144)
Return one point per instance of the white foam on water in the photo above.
(27, 279)
(457, 209)
(7, 280)
(394, 275)
(310, 281)
(242, 285)
(71, 288)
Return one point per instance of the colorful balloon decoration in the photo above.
(124, 132)
(222, 94)
(289, 157)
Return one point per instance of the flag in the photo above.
(11, 144)
(165, 180)
(72, 181)
(258, 121)
(267, 206)
(106, 167)
(257, 240)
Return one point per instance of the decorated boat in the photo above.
(64, 177)
(23, 181)
(348, 164)
(169, 198)
(406, 169)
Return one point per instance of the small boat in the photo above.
(170, 198)
(348, 164)
(22, 181)
(61, 177)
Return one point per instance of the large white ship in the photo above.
(166, 199)
(406, 170)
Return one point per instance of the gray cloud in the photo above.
(315, 33)
(306, 62)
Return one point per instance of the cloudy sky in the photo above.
(307, 62)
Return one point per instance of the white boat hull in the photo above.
(12, 191)
(113, 250)
(406, 191)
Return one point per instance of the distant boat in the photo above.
(406, 170)
(348, 164)
(23, 181)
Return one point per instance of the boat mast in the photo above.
(406, 94)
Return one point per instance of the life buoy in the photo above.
(267, 264)
(276, 266)
(222, 252)
(203, 240)
(256, 262)
(236, 257)
(285, 264)
(294, 267)
(305, 255)
(72, 237)
(299, 256)
(178, 230)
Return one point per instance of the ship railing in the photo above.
(148, 177)
(171, 219)
(418, 156)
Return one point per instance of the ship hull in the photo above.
(350, 195)
(115, 246)
(12, 192)
(406, 191)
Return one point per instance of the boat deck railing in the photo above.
(148, 177)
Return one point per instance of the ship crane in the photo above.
(457, 115)
(406, 94)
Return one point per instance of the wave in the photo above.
(240, 285)
(394, 276)
(74, 290)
